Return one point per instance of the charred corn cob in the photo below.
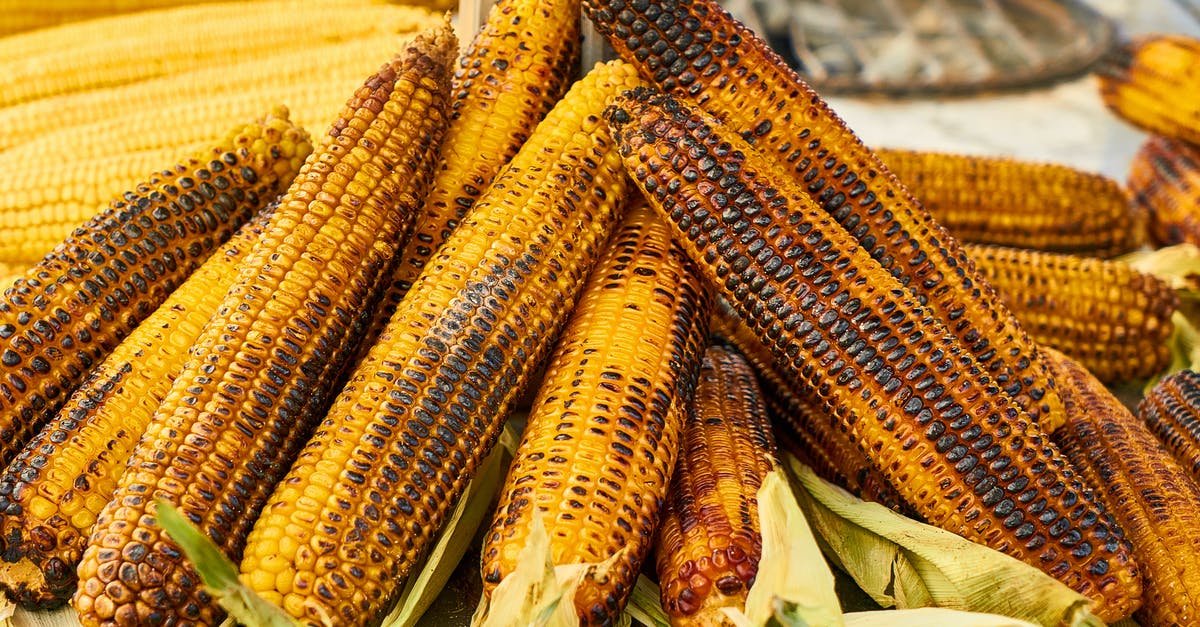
(52, 492)
(709, 542)
(1172, 412)
(1151, 496)
(1007, 202)
(1164, 178)
(428, 401)
(954, 445)
(1150, 82)
(695, 49)
(128, 48)
(64, 314)
(517, 67)
(602, 436)
(803, 427)
(265, 364)
(1112, 319)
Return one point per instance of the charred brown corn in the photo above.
(1164, 178)
(954, 445)
(1112, 319)
(53, 491)
(265, 365)
(518, 65)
(1172, 412)
(709, 542)
(428, 401)
(604, 430)
(1151, 496)
(1151, 83)
(64, 314)
(1007, 202)
(693, 48)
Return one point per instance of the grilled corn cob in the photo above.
(52, 492)
(265, 364)
(695, 49)
(602, 437)
(1150, 81)
(1112, 319)
(1172, 412)
(428, 401)
(64, 314)
(517, 67)
(127, 48)
(1007, 202)
(709, 542)
(955, 446)
(1151, 496)
(1164, 178)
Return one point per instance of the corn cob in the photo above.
(64, 314)
(518, 65)
(1112, 319)
(1164, 178)
(1007, 202)
(709, 543)
(604, 430)
(955, 446)
(275, 347)
(1150, 81)
(52, 492)
(695, 49)
(19, 15)
(803, 427)
(1171, 409)
(129, 48)
(428, 401)
(1148, 492)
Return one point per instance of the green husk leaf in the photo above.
(1126, 622)
(924, 617)
(902, 563)
(645, 604)
(472, 508)
(219, 575)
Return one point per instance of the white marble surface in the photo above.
(1066, 123)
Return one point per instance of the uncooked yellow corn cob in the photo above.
(1164, 177)
(1171, 409)
(265, 365)
(1112, 319)
(602, 436)
(1007, 202)
(68, 311)
(428, 401)
(1150, 82)
(1152, 497)
(19, 15)
(694, 49)
(953, 444)
(518, 65)
(52, 492)
(127, 48)
(709, 543)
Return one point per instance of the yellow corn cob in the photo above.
(518, 65)
(1112, 319)
(602, 437)
(52, 492)
(709, 542)
(265, 364)
(428, 401)
(1007, 202)
(128, 48)
(954, 445)
(1150, 82)
(1151, 496)
(1172, 412)
(20, 15)
(1164, 177)
(64, 314)
(695, 49)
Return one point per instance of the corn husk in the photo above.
(925, 617)
(645, 604)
